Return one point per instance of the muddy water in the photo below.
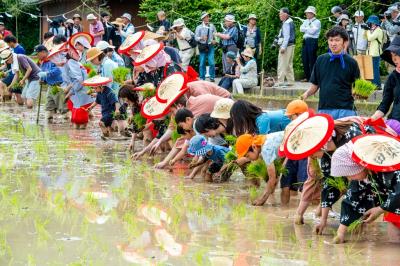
(68, 198)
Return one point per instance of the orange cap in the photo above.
(296, 107)
(245, 141)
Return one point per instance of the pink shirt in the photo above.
(200, 87)
(202, 104)
(94, 29)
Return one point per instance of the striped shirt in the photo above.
(233, 32)
(202, 31)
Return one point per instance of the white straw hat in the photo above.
(84, 38)
(380, 153)
(311, 9)
(170, 87)
(178, 23)
(56, 49)
(5, 54)
(131, 41)
(342, 164)
(148, 53)
(309, 137)
(222, 108)
(230, 18)
(127, 16)
(91, 17)
(102, 45)
(96, 81)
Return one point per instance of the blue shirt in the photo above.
(218, 154)
(233, 32)
(19, 49)
(107, 100)
(106, 70)
(74, 74)
(272, 121)
(53, 73)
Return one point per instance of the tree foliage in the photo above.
(267, 13)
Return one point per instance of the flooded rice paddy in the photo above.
(69, 198)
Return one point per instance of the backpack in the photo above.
(385, 41)
(192, 41)
(241, 38)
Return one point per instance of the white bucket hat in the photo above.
(230, 18)
(222, 108)
(102, 45)
(5, 54)
(91, 17)
(203, 15)
(178, 23)
(127, 16)
(359, 13)
(252, 16)
(311, 9)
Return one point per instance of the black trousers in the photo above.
(309, 55)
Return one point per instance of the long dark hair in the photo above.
(244, 114)
(205, 123)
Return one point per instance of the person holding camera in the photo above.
(229, 38)
(360, 41)
(287, 39)
(345, 23)
(183, 37)
(392, 27)
(205, 38)
(375, 36)
(311, 28)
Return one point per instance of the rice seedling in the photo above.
(253, 193)
(31, 260)
(340, 183)
(149, 90)
(239, 211)
(90, 70)
(363, 88)
(54, 90)
(201, 257)
(121, 74)
(257, 169)
(355, 226)
(5, 249)
(40, 227)
(231, 140)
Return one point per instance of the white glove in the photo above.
(42, 74)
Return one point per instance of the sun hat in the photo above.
(359, 13)
(91, 17)
(342, 163)
(127, 16)
(374, 20)
(231, 55)
(343, 17)
(131, 41)
(380, 153)
(56, 49)
(309, 137)
(248, 52)
(96, 81)
(222, 108)
(290, 127)
(311, 9)
(5, 54)
(153, 108)
(84, 38)
(103, 45)
(154, 36)
(148, 53)
(199, 146)
(393, 47)
(118, 21)
(92, 53)
(178, 23)
(77, 16)
(204, 14)
(252, 16)
(170, 87)
(70, 21)
(296, 107)
(245, 141)
(229, 17)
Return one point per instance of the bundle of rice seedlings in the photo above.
(90, 70)
(355, 226)
(54, 90)
(121, 74)
(257, 169)
(139, 121)
(149, 90)
(231, 140)
(363, 88)
(317, 169)
(339, 183)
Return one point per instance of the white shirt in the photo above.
(187, 35)
(359, 37)
(15, 65)
(311, 28)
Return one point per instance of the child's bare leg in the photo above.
(285, 196)
(303, 205)
(132, 143)
(341, 232)
(104, 129)
(19, 99)
(83, 126)
(30, 103)
(393, 233)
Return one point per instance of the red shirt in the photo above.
(5, 33)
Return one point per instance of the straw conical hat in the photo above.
(309, 137)
(148, 53)
(56, 50)
(380, 153)
(131, 41)
(87, 36)
(171, 87)
(154, 36)
(96, 81)
(290, 127)
(153, 109)
(49, 43)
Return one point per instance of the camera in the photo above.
(365, 26)
(275, 43)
